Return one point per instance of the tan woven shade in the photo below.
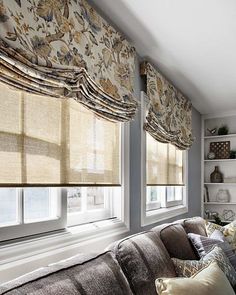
(164, 163)
(49, 141)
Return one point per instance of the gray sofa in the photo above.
(129, 266)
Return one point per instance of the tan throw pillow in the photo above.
(187, 268)
(210, 280)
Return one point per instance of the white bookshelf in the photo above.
(226, 166)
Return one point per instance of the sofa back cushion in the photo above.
(195, 225)
(143, 258)
(83, 274)
(176, 241)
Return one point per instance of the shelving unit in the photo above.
(226, 166)
(219, 203)
(220, 136)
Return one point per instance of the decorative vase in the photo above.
(223, 196)
(211, 156)
(216, 176)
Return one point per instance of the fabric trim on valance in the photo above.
(66, 49)
(169, 117)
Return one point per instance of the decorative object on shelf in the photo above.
(211, 156)
(232, 154)
(223, 196)
(217, 218)
(228, 215)
(230, 180)
(221, 149)
(223, 130)
(207, 214)
(216, 176)
(212, 131)
(206, 194)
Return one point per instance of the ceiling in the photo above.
(193, 43)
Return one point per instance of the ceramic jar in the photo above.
(216, 176)
(223, 196)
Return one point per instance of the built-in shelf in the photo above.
(220, 183)
(220, 136)
(224, 221)
(219, 203)
(220, 160)
(227, 166)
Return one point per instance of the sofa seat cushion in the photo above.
(176, 241)
(82, 274)
(143, 258)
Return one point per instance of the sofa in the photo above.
(128, 266)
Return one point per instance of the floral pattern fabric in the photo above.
(64, 48)
(169, 118)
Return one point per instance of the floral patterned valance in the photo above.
(169, 117)
(64, 48)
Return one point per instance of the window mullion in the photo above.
(84, 192)
(21, 205)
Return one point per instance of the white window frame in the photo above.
(24, 229)
(102, 214)
(173, 208)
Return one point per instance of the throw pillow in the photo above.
(187, 268)
(204, 244)
(229, 231)
(210, 280)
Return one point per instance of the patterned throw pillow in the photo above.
(229, 231)
(209, 281)
(204, 244)
(187, 268)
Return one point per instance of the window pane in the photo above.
(95, 198)
(155, 197)
(170, 193)
(178, 193)
(40, 204)
(90, 204)
(73, 200)
(9, 207)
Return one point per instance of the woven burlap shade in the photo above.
(50, 141)
(164, 163)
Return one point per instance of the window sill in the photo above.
(163, 214)
(32, 249)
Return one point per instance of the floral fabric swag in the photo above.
(63, 48)
(169, 117)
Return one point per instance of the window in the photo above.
(30, 211)
(164, 179)
(62, 166)
(88, 204)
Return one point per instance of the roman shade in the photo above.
(164, 165)
(46, 141)
(169, 117)
(65, 49)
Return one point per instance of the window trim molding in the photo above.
(148, 218)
